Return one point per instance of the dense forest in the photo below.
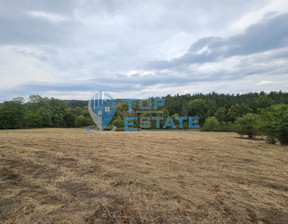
(217, 112)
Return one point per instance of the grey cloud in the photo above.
(124, 83)
(16, 8)
(137, 82)
(264, 36)
(102, 40)
(19, 27)
(29, 30)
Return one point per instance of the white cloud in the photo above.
(274, 7)
(265, 83)
(16, 69)
(49, 16)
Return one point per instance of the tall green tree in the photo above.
(32, 119)
(238, 110)
(262, 102)
(11, 114)
(41, 105)
(198, 108)
(59, 111)
(220, 114)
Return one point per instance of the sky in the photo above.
(71, 49)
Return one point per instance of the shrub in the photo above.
(82, 121)
(119, 122)
(211, 124)
(226, 126)
(247, 125)
(108, 128)
(275, 123)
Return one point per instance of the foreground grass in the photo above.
(70, 176)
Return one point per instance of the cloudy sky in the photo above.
(71, 49)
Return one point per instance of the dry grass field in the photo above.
(70, 176)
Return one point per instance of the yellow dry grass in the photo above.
(70, 176)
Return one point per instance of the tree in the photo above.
(262, 102)
(220, 114)
(198, 108)
(32, 119)
(82, 121)
(59, 110)
(174, 117)
(211, 107)
(247, 125)
(19, 100)
(53, 111)
(275, 122)
(184, 109)
(238, 110)
(77, 111)
(70, 120)
(11, 114)
(119, 122)
(41, 105)
(211, 124)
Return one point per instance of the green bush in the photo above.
(247, 125)
(226, 126)
(108, 128)
(275, 123)
(119, 122)
(82, 121)
(211, 124)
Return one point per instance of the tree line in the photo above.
(41, 112)
(248, 114)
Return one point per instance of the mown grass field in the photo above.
(70, 176)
